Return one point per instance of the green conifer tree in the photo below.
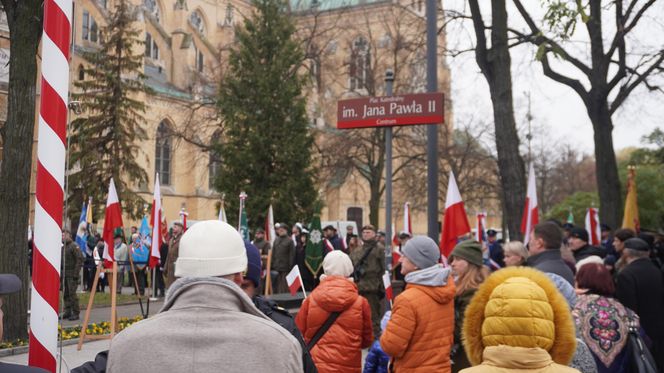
(266, 147)
(105, 140)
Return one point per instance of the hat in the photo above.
(590, 259)
(610, 260)
(211, 248)
(491, 233)
(260, 230)
(253, 272)
(422, 251)
(524, 300)
(380, 233)
(281, 225)
(637, 244)
(305, 231)
(568, 226)
(9, 283)
(469, 250)
(405, 234)
(579, 233)
(369, 227)
(648, 238)
(179, 224)
(337, 263)
(330, 227)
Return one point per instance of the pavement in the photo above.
(70, 357)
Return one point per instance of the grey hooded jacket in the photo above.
(206, 325)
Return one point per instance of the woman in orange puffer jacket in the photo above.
(340, 348)
(420, 334)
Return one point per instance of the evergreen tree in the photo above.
(105, 141)
(266, 147)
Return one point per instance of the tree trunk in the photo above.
(606, 167)
(24, 18)
(495, 64)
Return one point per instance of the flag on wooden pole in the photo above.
(387, 283)
(455, 221)
(294, 280)
(593, 227)
(480, 231)
(631, 217)
(112, 221)
(270, 234)
(530, 215)
(156, 221)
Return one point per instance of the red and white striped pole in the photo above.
(51, 148)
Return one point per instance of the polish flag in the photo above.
(270, 234)
(294, 280)
(593, 227)
(455, 221)
(480, 234)
(155, 220)
(164, 226)
(387, 283)
(396, 254)
(183, 219)
(112, 221)
(530, 214)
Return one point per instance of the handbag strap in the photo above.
(323, 329)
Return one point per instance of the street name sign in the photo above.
(388, 111)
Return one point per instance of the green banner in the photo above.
(314, 250)
(244, 228)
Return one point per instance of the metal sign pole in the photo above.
(432, 134)
(389, 82)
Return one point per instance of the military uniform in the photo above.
(173, 252)
(285, 320)
(370, 284)
(283, 260)
(73, 262)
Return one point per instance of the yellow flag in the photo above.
(631, 217)
(88, 216)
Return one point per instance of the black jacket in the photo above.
(587, 251)
(15, 368)
(550, 261)
(286, 321)
(640, 288)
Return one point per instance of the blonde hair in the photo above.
(516, 247)
(472, 278)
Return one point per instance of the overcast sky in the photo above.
(555, 107)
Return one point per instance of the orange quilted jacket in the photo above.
(340, 349)
(421, 332)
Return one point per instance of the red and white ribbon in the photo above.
(51, 149)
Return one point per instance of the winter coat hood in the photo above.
(337, 294)
(503, 359)
(519, 307)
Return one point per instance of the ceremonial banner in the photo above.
(313, 259)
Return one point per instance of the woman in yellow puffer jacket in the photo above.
(518, 322)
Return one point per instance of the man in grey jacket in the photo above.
(544, 249)
(208, 323)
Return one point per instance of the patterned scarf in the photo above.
(603, 324)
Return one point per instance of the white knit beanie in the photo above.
(210, 248)
(337, 263)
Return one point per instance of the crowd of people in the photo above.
(554, 304)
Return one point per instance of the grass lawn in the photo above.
(104, 299)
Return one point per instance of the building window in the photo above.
(360, 64)
(163, 153)
(355, 214)
(90, 29)
(200, 62)
(215, 160)
(152, 7)
(197, 22)
(228, 21)
(81, 73)
(103, 3)
(151, 48)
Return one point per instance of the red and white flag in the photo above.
(387, 283)
(593, 227)
(480, 234)
(155, 220)
(455, 221)
(183, 219)
(396, 254)
(270, 234)
(294, 280)
(112, 221)
(530, 214)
